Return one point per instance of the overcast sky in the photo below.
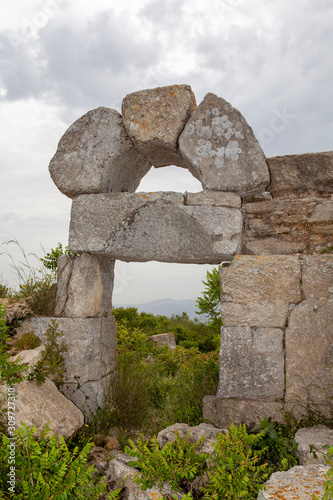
(61, 58)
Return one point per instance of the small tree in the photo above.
(210, 302)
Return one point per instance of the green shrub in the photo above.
(232, 471)
(25, 342)
(328, 493)
(11, 371)
(45, 468)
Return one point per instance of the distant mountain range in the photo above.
(166, 307)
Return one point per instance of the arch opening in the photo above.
(170, 178)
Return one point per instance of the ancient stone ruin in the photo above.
(271, 218)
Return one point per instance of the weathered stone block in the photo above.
(214, 199)
(287, 226)
(193, 434)
(256, 291)
(296, 176)
(95, 155)
(317, 276)
(154, 119)
(167, 339)
(158, 226)
(223, 412)
(222, 149)
(85, 284)
(251, 363)
(313, 444)
(299, 483)
(309, 355)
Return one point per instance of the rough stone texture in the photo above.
(256, 291)
(15, 310)
(297, 176)
(85, 286)
(158, 226)
(309, 355)
(214, 199)
(38, 405)
(317, 276)
(287, 226)
(90, 359)
(154, 120)
(298, 483)
(251, 363)
(30, 357)
(95, 155)
(222, 412)
(164, 339)
(194, 434)
(222, 149)
(313, 439)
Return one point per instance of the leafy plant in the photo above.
(177, 463)
(52, 362)
(46, 468)
(11, 371)
(26, 341)
(210, 302)
(328, 493)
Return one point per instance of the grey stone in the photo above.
(38, 405)
(317, 276)
(194, 434)
(85, 286)
(158, 226)
(214, 199)
(313, 444)
(296, 176)
(164, 339)
(285, 226)
(298, 483)
(90, 359)
(256, 291)
(309, 356)
(95, 155)
(154, 119)
(222, 149)
(251, 363)
(223, 412)
(30, 357)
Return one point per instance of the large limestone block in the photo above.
(256, 291)
(154, 120)
(214, 199)
(313, 444)
(296, 176)
(222, 149)
(287, 226)
(156, 226)
(223, 412)
(297, 483)
(251, 363)
(95, 155)
(90, 360)
(317, 276)
(309, 355)
(85, 285)
(193, 434)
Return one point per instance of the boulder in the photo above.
(251, 363)
(95, 155)
(298, 483)
(256, 290)
(164, 339)
(222, 149)
(38, 405)
(297, 176)
(309, 356)
(138, 227)
(313, 444)
(85, 284)
(154, 120)
(194, 434)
